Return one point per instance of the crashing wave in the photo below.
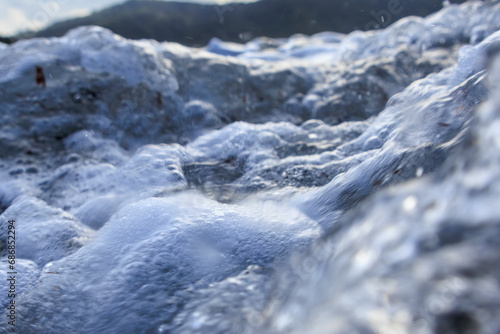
(332, 183)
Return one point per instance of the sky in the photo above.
(24, 15)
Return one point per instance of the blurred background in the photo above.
(194, 23)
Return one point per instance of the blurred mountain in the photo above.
(195, 24)
(7, 40)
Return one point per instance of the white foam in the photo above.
(118, 237)
(44, 233)
(162, 245)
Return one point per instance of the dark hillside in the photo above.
(195, 24)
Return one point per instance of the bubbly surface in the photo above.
(316, 184)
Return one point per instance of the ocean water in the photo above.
(316, 184)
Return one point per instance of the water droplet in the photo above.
(410, 203)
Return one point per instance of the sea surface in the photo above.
(314, 184)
